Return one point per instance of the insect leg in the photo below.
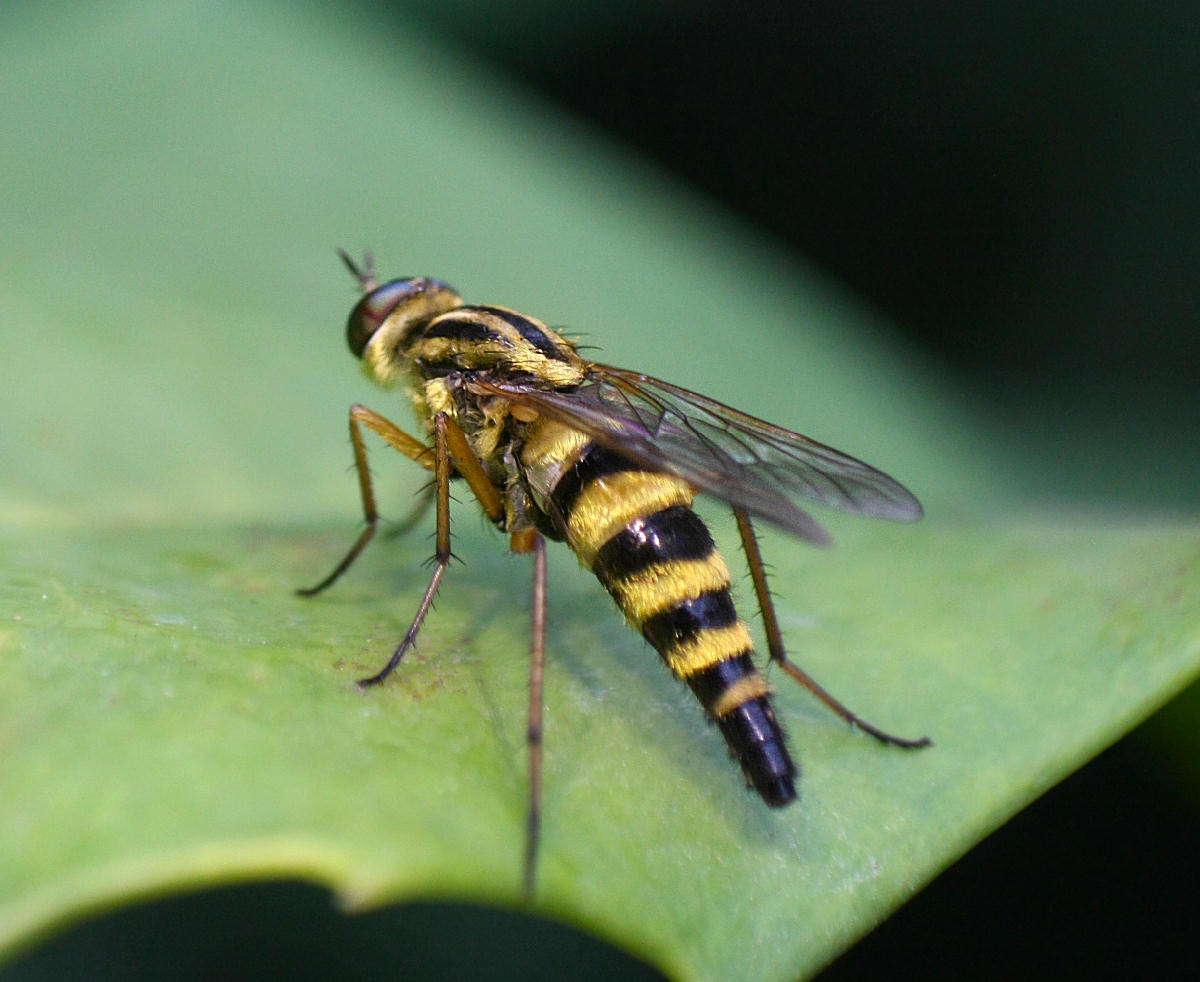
(449, 442)
(410, 446)
(413, 518)
(537, 662)
(469, 467)
(775, 641)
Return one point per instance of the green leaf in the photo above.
(173, 717)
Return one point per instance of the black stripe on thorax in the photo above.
(687, 619)
(459, 327)
(527, 329)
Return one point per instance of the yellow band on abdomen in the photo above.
(745, 689)
(662, 586)
(609, 503)
(707, 648)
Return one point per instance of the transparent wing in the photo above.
(745, 461)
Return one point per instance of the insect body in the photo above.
(607, 461)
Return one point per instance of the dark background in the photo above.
(1014, 186)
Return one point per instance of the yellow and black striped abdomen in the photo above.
(637, 532)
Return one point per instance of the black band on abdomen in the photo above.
(673, 533)
(688, 618)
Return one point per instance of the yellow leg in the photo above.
(775, 642)
(410, 446)
(450, 453)
(458, 449)
(533, 733)
(413, 518)
(449, 443)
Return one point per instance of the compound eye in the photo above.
(375, 307)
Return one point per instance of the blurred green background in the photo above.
(1011, 186)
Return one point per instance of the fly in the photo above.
(607, 461)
